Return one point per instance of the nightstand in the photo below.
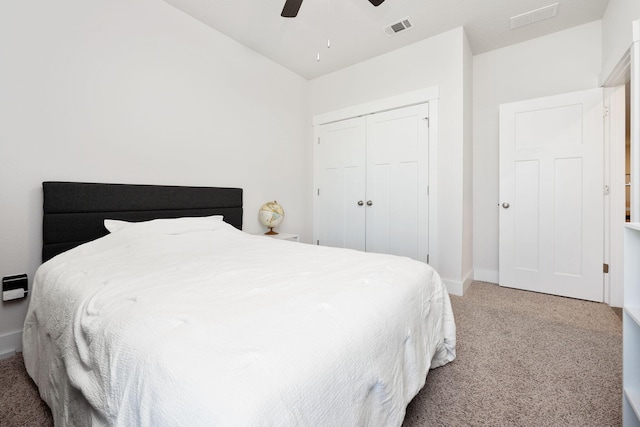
(284, 236)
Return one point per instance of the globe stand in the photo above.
(270, 232)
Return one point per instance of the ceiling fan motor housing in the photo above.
(291, 7)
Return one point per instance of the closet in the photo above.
(372, 183)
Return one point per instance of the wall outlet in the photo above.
(13, 294)
(14, 287)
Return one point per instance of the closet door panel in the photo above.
(397, 161)
(340, 174)
(407, 221)
(379, 214)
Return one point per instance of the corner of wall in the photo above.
(458, 288)
(467, 156)
(486, 275)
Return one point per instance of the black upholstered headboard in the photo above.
(74, 212)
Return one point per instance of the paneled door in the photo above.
(372, 183)
(340, 177)
(397, 182)
(551, 195)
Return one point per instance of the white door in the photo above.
(397, 182)
(340, 176)
(551, 195)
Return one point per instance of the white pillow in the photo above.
(167, 225)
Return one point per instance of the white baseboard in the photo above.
(458, 288)
(490, 276)
(10, 344)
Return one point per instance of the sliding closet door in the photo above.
(397, 182)
(340, 176)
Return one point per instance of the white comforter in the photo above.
(217, 327)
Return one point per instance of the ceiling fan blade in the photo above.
(291, 8)
(376, 2)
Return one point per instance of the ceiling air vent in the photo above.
(395, 28)
(534, 16)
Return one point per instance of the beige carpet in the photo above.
(524, 359)
(20, 403)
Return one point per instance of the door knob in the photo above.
(506, 205)
(369, 203)
(360, 203)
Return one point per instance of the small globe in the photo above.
(271, 215)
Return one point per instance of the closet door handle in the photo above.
(369, 203)
(360, 203)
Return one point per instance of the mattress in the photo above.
(176, 323)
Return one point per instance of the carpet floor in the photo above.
(524, 359)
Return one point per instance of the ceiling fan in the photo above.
(291, 7)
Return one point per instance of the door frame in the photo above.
(627, 69)
(428, 95)
(614, 142)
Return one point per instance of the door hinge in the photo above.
(427, 120)
(605, 111)
(317, 242)
(318, 140)
(427, 190)
(606, 190)
(427, 258)
(605, 268)
(318, 191)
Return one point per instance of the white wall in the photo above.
(437, 61)
(562, 62)
(616, 32)
(134, 91)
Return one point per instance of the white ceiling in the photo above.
(355, 26)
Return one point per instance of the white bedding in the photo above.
(212, 326)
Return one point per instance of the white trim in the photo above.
(635, 123)
(608, 197)
(433, 184)
(315, 222)
(455, 287)
(614, 163)
(620, 73)
(10, 344)
(404, 100)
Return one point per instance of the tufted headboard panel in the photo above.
(74, 212)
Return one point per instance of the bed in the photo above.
(153, 308)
